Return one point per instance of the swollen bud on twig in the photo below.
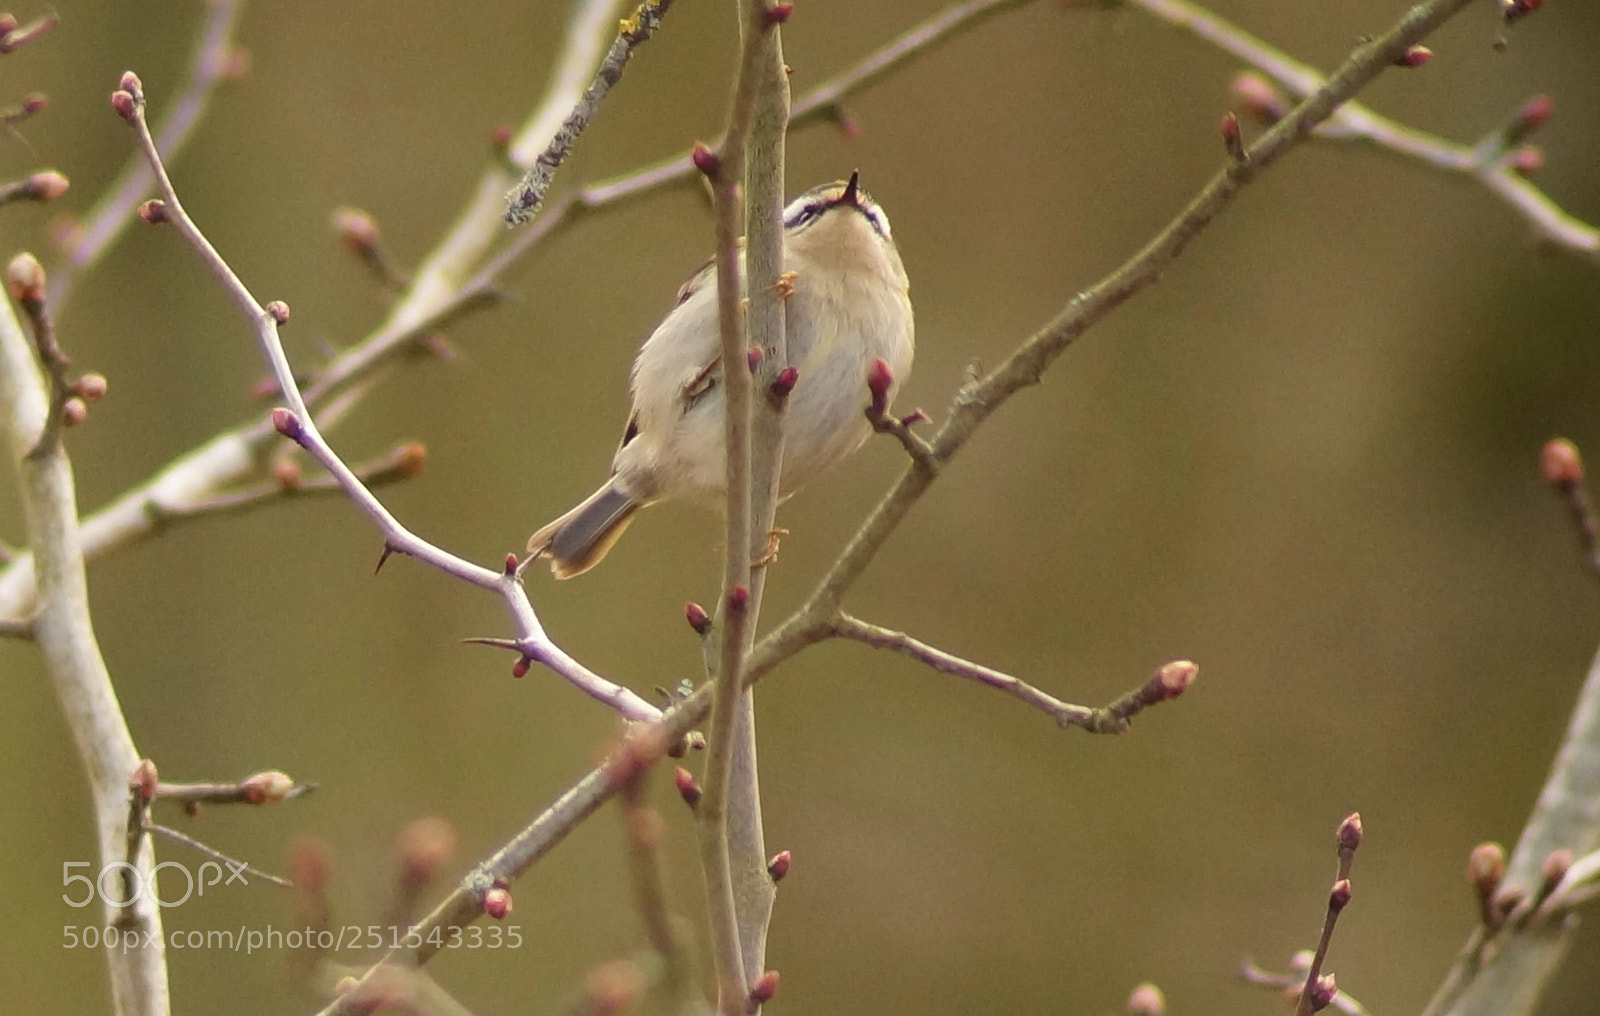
(410, 458)
(278, 311)
(1147, 1000)
(1232, 140)
(763, 990)
(1173, 679)
(271, 787)
(520, 668)
(1535, 113)
(1323, 992)
(1339, 895)
(1486, 866)
(497, 902)
(778, 13)
(688, 786)
(286, 472)
(1526, 160)
(153, 211)
(1260, 99)
(698, 619)
(1415, 56)
(779, 865)
(73, 412)
(784, 383)
(144, 781)
(511, 564)
(91, 388)
(1513, 10)
(738, 597)
(705, 160)
(500, 136)
(45, 185)
(356, 229)
(1560, 463)
(1350, 832)
(1553, 871)
(753, 357)
(25, 280)
(287, 424)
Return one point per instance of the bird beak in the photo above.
(850, 196)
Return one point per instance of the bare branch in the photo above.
(215, 854)
(1486, 164)
(214, 61)
(523, 202)
(1168, 682)
(297, 424)
(44, 185)
(20, 35)
(66, 638)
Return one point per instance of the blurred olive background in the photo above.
(1307, 460)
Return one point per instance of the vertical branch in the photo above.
(765, 322)
(72, 656)
(738, 900)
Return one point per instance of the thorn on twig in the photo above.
(388, 549)
(1232, 140)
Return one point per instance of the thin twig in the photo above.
(523, 202)
(213, 62)
(1168, 682)
(1356, 122)
(215, 854)
(20, 36)
(43, 185)
(297, 424)
(1318, 991)
(644, 828)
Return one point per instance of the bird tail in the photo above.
(579, 539)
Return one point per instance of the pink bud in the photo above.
(1560, 463)
(73, 412)
(153, 211)
(520, 668)
(762, 991)
(778, 867)
(697, 617)
(753, 357)
(705, 160)
(778, 13)
(738, 598)
(145, 780)
(278, 311)
(287, 424)
(688, 786)
(497, 902)
(1416, 56)
(1350, 832)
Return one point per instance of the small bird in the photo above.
(847, 303)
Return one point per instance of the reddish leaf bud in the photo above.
(1323, 992)
(779, 865)
(697, 617)
(1339, 895)
(1486, 866)
(130, 83)
(1535, 112)
(287, 474)
(46, 185)
(1554, 870)
(278, 311)
(511, 564)
(1147, 1000)
(1260, 99)
(25, 280)
(778, 13)
(73, 412)
(497, 902)
(1416, 56)
(411, 458)
(763, 990)
(1173, 679)
(753, 357)
(1350, 831)
(500, 136)
(144, 781)
(34, 102)
(784, 383)
(1560, 462)
(356, 229)
(8, 23)
(1512, 10)
(1232, 140)
(287, 424)
(1526, 160)
(613, 987)
(520, 668)
(426, 845)
(738, 598)
(688, 786)
(705, 160)
(91, 388)
(153, 211)
(124, 104)
(270, 787)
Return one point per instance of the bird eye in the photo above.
(805, 214)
